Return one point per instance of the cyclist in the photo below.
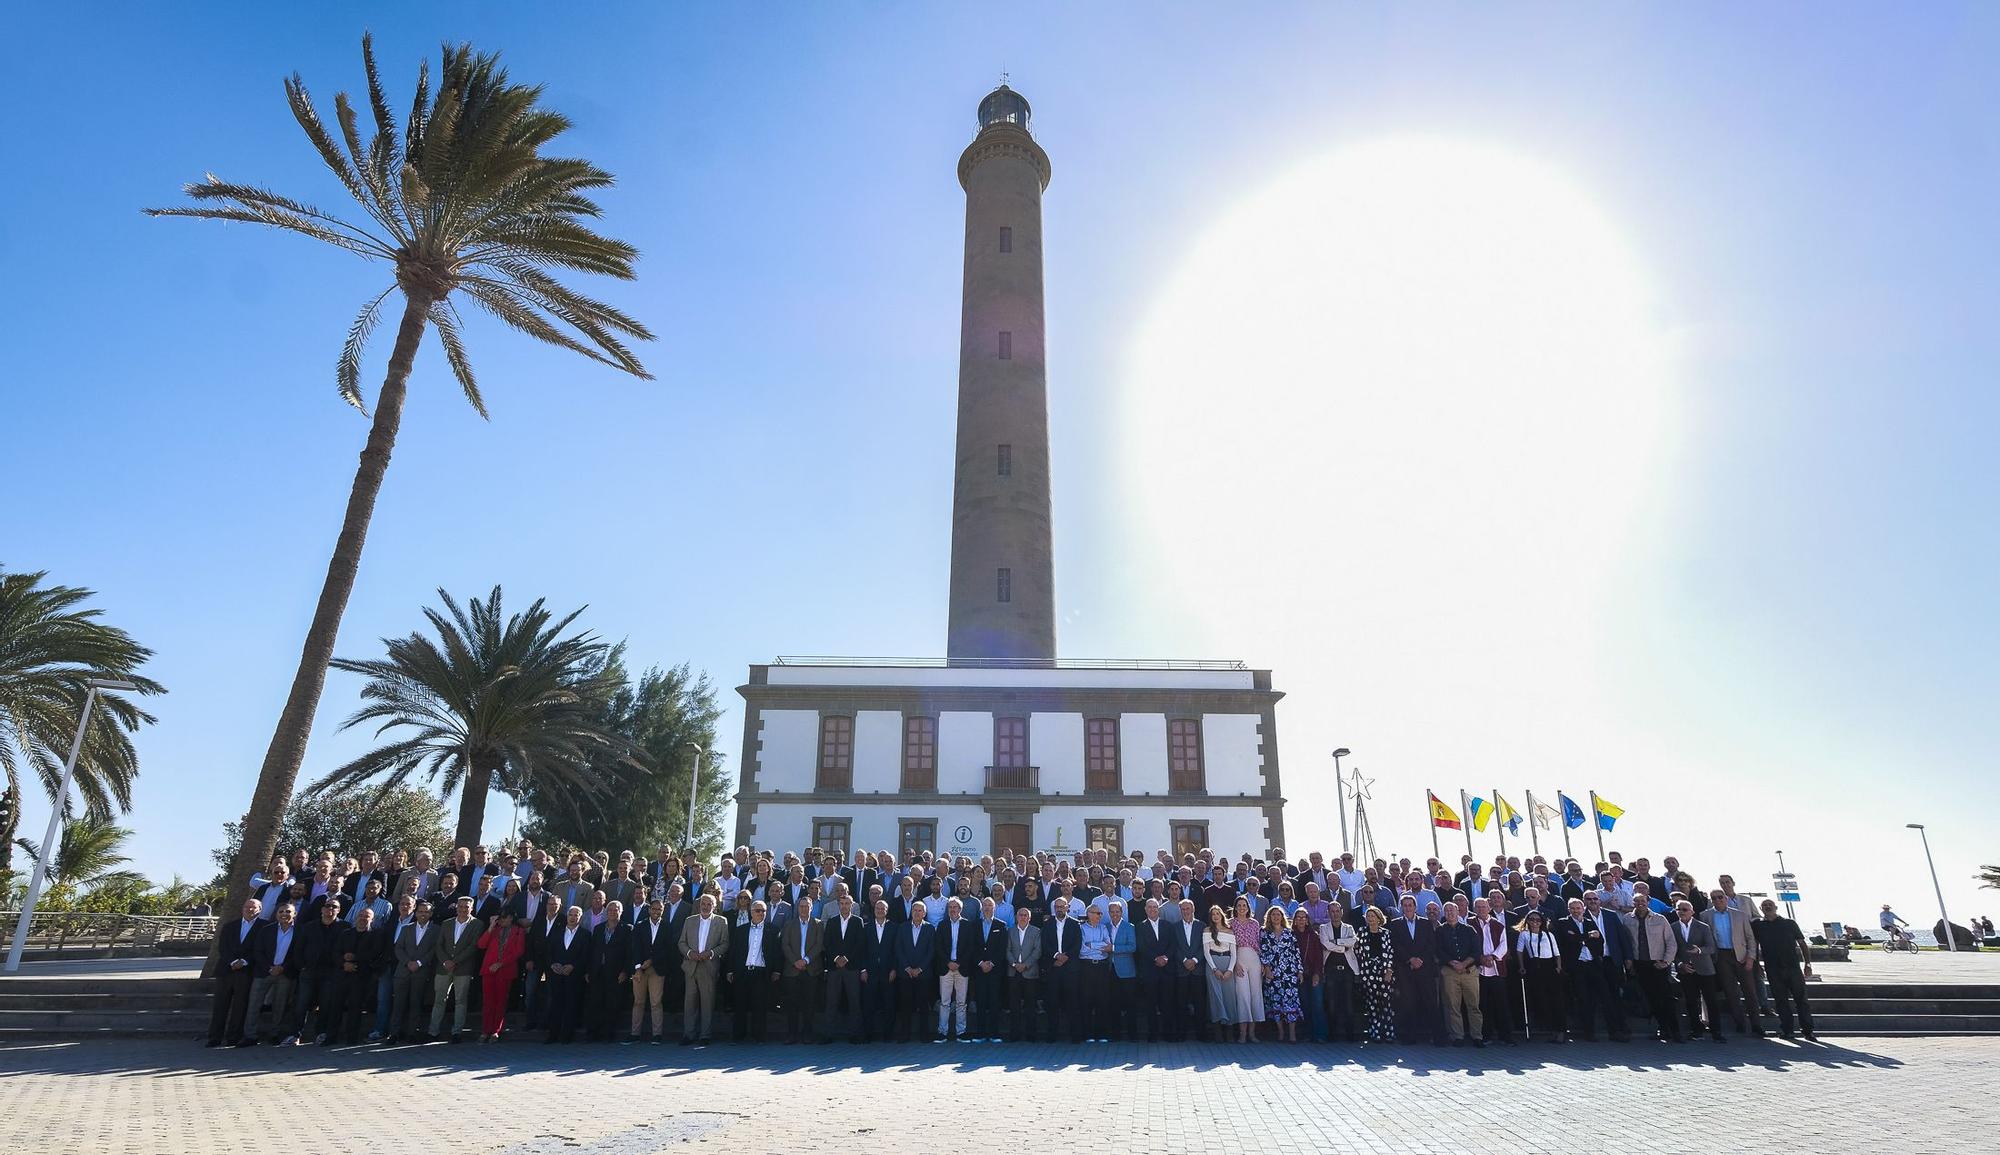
(1892, 924)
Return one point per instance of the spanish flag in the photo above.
(1482, 813)
(1607, 814)
(1442, 815)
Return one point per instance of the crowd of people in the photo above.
(1094, 946)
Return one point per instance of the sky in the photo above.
(1559, 398)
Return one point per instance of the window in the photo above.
(1006, 345)
(1189, 837)
(918, 835)
(1109, 836)
(1006, 461)
(1100, 755)
(1010, 753)
(1184, 754)
(836, 752)
(1006, 239)
(1006, 583)
(920, 752)
(830, 835)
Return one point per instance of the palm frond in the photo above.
(445, 318)
(347, 374)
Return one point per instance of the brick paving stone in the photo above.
(166, 1098)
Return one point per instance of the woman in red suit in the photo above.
(503, 943)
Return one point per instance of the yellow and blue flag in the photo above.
(1508, 817)
(1607, 814)
(1482, 813)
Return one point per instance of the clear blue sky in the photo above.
(1810, 190)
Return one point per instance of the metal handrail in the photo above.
(59, 929)
(1017, 663)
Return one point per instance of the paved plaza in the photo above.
(160, 1098)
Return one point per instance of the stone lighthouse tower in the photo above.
(1002, 552)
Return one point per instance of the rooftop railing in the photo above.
(1016, 663)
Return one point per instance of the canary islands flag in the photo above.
(1482, 813)
(1508, 817)
(1442, 815)
(1572, 813)
(1607, 814)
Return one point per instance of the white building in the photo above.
(1001, 745)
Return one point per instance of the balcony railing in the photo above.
(1020, 663)
(1013, 777)
(65, 930)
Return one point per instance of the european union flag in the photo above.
(1572, 813)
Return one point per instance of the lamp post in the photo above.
(694, 792)
(50, 843)
(1950, 944)
(1340, 794)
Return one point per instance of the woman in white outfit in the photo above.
(1219, 948)
(1249, 971)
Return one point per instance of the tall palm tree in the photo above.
(494, 702)
(462, 204)
(91, 854)
(1989, 877)
(49, 646)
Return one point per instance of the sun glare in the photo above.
(1390, 425)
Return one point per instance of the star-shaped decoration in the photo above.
(1359, 785)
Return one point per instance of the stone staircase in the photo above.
(149, 1007)
(1904, 1009)
(178, 1008)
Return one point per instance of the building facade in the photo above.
(1001, 745)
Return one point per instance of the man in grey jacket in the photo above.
(1697, 965)
(1024, 972)
(416, 949)
(456, 958)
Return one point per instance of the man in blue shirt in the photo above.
(274, 968)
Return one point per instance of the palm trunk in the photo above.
(9, 826)
(280, 771)
(472, 803)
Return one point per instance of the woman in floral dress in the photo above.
(1378, 977)
(1278, 951)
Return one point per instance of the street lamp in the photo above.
(50, 845)
(1340, 794)
(694, 791)
(1949, 943)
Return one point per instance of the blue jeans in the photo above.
(1315, 1001)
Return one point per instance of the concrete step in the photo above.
(102, 1001)
(1969, 1008)
(91, 986)
(64, 1022)
(1912, 1025)
(1839, 990)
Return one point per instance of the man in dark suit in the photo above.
(370, 957)
(569, 952)
(1698, 986)
(1153, 954)
(1062, 973)
(610, 976)
(800, 941)
(233, 976)
(1416, 974)
(989, 972)
(1188, 1009)
(322, 949)
(878, 979)
(916, 962)
(543, 926)
(355, 884)
(274, 969)
(1587, 962)
(752, 967)
(845, 950)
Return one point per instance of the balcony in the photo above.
(1022, 778)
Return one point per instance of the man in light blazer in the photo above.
(1697, 965)
(1735, 960)
(800, 938)
(1024, 972)
(456, 958)
(704, 940)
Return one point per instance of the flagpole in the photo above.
(1465, 823)
(1534, 840)
(1430, 816)
(1597, 820)
(1563, 817)
(1499, 827)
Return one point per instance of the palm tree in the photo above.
(90, 855)
(493, 702)
(49, 647)
(1989, 877)
(459, 200)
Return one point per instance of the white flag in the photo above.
(1544, 815)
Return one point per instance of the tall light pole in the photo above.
(50, 843)
(1949, 943)
(694, 792)
(1340, 793)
